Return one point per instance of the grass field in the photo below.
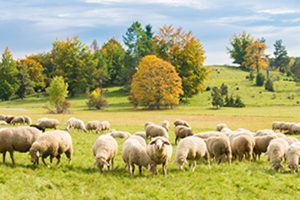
(245, 180)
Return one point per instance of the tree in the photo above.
(255, 56)
(217, 99)
(8, 76)
(113, 54)
(260, 79)
(224, 89)
(48, 69)
(281, 58)
(155, 84)
(296, 70)
(237, 51)
(26, 84)
(185, 52)
(58, 91)
(96, 99)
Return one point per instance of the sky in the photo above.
(31, 26)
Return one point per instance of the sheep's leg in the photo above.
(258, 155)
(140, 170)
(69, 155)
(43, 160)
(164, 169)
(193, 165)
(11, 153)
(112, 163)
(51, 159)
(3, 158)
(58, 159)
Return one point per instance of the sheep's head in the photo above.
(159, 143)
(34, 154)
(293, 167)
(100, 161)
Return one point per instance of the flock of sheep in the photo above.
(221, 145)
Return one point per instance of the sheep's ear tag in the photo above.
(37, 154)
(148, 167)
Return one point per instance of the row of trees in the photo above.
(85, 68)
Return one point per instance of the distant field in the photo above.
(246, 180)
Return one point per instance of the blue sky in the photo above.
(31, 26)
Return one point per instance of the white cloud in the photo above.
(278, 11)
(239, 19)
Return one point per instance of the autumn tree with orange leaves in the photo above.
(156, 84)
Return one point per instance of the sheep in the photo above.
(93, 125)
(242, 145)
(220, 126)
(45, 123)
(119, 134)
(160, 151)
(141, 134)
(38, 127)
(290, 140)
(3, 123)
(295, 128)
(105, 125)
(293, 157)
(276, 152)
(52, 143)
(153, 130)
(227, 131)
(166, 124)
(134, 153)
(219, 147)
(9, 118)
(287, 127)
(182, 132)
(2, 117)
(181, 123)
(27, 120)
(277, 125)
(265, 132)
(18, 120)
(76, 124)
(17, 139)
(205, 135)
(192, 149)
(140, 139)
(261, 145)
(105, 149)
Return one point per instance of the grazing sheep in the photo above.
(45, 123)
(277, 125)
(166, 124)
(9, 118)
(18, 120)
(218, 148)
(76, 124)
(93, 125)
(3, 123)
(276, 152)
(53, 144)
(17, 139)
(105, 150)
(220, 126)
(153, 130)
(192, 149)
(141, 134)
(290, 140)
(140, 139)
(265, 132)
(2, 117)
(105, 125)
(38, 127)
(261, 145)
(134, 153)
(227, 131)
(119, 134)
(295, 128)
(180, 122)
(182, 132)
(242, 145)
(205, 135)
(27, 120)
(293, 157)
(287, 126)
(160, 151)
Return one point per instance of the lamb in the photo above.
(218, 148)
(153, 130)
(76, 124)
(17, 139)
(93, 125)
(3, 123)
(166, 124)
(160, 151)
(45, 123)
(105, 125)
(220, 126)
(293, 157)
(192, 149)
(52, 143)
(141, 134)
(119, 134)
(180, 122)
(205, 135)
(134, 153)
(261, 145)
(276, 152)
(182, 132)
(105, 150)
(242, 145)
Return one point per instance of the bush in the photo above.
(96, 100)
(217, 99)
(238, 102)
(260, 79)
(234, 102)
(269, 85)
(224, 89)
(251, 75)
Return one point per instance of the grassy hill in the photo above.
(245, 180)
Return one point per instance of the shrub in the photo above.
(260, 79)
(96, 100)
(224, 89)
(269, 85)
(217, 99)
(238, 102)
(251, 75)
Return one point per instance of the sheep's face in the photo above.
(159, 144)
(34, 157)
(293, 167)
(101, 162)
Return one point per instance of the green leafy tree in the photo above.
(281, 58)
(237, 51)
(260, 79)
(224, 89)
(25, 83)
(96, 99)
(58, 91)
(217, 99)
(8, 76)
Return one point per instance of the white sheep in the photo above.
(141, 134)
(265, 132)
(76, 124)
(182, 132)
(93, 125)
(17, 139)
(190, 149)
(208, 134)
(277, 125)
(242, 145)
(220, 126)
(160, 151)
(219, 148)
(105, 150)
(45, 123)
(18, 120)
(153, 130)
(293, 157)
(276, 152)
(52, 143)
(295, 128)
(105, 125)
(119, 134)
(181, 123)
(166, 124)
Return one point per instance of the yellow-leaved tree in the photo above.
(156, 84)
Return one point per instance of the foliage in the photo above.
(255, 56)
(251, 75)
(155, 84)
(281, 58)
(58, 91)
(269, 86)
(260, 79)
(44, 59)
(237, 52)
(96, 99)
(217, 99)
(8, 75)
(224, 89)
(185, 52)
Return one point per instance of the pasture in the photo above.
(240, 180)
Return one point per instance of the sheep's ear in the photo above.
(105, 162)
(37, 154)
(166, 142)
(152, 142)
